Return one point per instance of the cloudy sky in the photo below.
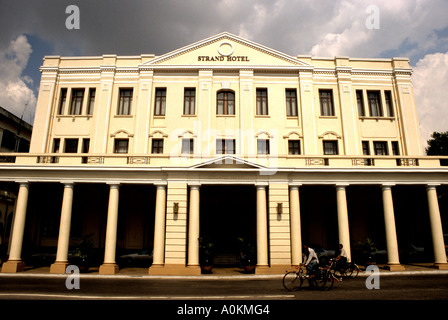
(417, 29)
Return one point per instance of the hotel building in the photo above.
(225, 139)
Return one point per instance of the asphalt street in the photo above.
(176, 295)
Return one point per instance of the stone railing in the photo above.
(268, 161)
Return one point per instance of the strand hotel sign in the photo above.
(225, 50)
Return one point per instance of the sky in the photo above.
(417, 29)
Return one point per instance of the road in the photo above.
(175, 295)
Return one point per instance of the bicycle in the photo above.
(323, 278)
(350, 270)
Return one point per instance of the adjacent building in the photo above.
(225, 139)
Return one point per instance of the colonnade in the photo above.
(109, 266)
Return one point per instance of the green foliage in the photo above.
(438, 144)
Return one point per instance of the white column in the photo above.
(436, 226)
(389, 222)
(262, 228)
(109, 266)
(343, 226)
(14, 263)
(296, 234)
(193, 231)
(159, 226)
(64, 231)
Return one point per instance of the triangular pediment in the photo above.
(227, 161)
(227, 50)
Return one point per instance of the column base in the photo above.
(394, 267)
(174, 270)
(13, 266)
(59, 267)
(441, 266)
(109, 268)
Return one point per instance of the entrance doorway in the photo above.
(227, 214)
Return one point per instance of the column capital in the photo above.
(432, 185)
(294, 185)
(115, 185)
(194, 185)
(387, 185)
(342, 185)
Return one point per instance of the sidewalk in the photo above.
(222, 273)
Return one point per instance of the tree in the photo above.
(438, 146)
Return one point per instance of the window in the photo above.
(395, 148)
(225, 103)
(365, 148)
(71, 146)
(263, 146)
(160, 103)
(9, 140)
(187, 146)
(360, 101)
(380, 148)
(262, 102)
(374, 98)
(91, 101)
(121, 146)
(76, 104)
(291, 102)
(56, 145)
(389, 105)
(125, 103)
(24, 145)
(225, 146)
(62, 100)
(157, 146)
(294, 147)
(326, 103)
(189, 101)
(331, 147)
(85, 149)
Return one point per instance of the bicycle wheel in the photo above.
(324, 280)
(354, 270)
(292, 281)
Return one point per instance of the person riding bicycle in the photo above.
(341, 259)
(311, 260)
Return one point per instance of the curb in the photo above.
(210, 277)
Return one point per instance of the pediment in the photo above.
(227, 161)
(226, 50)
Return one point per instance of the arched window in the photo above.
(225, 102)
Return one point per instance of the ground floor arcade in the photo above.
(170, 214)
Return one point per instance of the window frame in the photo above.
(75, 145)
(91, 101)
(329, 110)
(263, 147)
(160, 95)
(157, 148)
(223, 143)
(389, 103)
(187, 146)
(335, 147)
(291, 103)
(117, 146)
(375, 105)
(298, 148)
(76, 102)
(261, 102)
(122, 99)
(191, 100)
(225, 102)
(62, 101)
(360, 103)
(380, 145)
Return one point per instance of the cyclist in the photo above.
(341, 259)
(311, 260)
